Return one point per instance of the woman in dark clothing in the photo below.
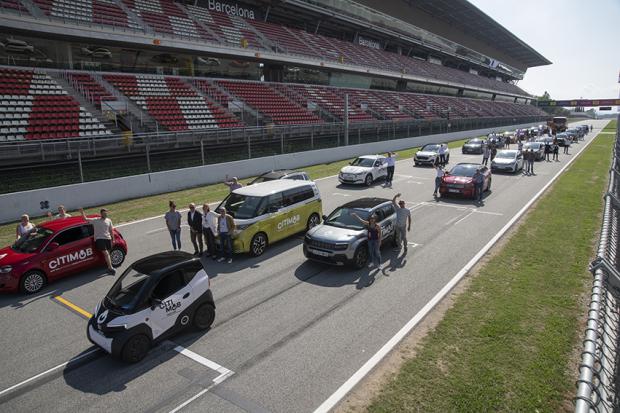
(374, 239)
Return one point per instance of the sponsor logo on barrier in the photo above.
(288, 221)
(231, 9)
(68, 259)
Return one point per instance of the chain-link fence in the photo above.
(597, 386)
(41, 164)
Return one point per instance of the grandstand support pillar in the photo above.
(282, 142)
(148, 158)
(249, 144)
(346, 119)
(312, 138)
(80, 166)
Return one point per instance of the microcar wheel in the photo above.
(136, 348)
(204, 316)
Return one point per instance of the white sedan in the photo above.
(429, 153)
(364, 170)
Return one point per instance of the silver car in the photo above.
(342, 239)
(507, 160)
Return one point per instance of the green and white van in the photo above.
(268, 212)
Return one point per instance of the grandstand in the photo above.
(97, 69)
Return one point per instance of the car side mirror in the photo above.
(53, 246)
(155, 302)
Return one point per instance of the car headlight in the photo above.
(341, 246)
(6, 269)
(243, 227)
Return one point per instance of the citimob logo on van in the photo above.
(71, 258)
(288, 221)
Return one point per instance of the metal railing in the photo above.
(597, 386)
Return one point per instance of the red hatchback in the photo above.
(459, 181)
(54, 250)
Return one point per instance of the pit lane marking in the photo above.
(74, 308)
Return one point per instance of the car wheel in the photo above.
(117, 257)
(313, 221)
(360, 258)
(32, 282)
(204, 316)
(368, 181)
(136, 348)
(258, 245)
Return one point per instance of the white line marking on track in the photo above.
(348, 385)
(46, 372)
(162, 229)
(138, 221)
(465, 217)
(340, 194)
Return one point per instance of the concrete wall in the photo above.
(118, 189)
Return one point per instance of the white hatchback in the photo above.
(364, 170)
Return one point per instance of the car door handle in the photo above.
(185, 296)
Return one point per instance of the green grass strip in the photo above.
(133, 209)
(506, 342)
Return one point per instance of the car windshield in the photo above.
(464, 170)
(475, 141)
(342, 218)
(29, 244)
(241, 206)
(126, 290)
(366, 162)
(532, 145)
(430, 148)
(506, 154)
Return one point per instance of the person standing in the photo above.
(209, 229)
(439, 174)
(442, 155)
(103, 233)
(233, 183)
(493, 151)
(374, 240)
(390, 159)
(566, 146)
(194, 221)
(403, 223)
(520, 145)
(486, 153)
(24, 228)
(478, 179)
(62, 213)
(556, 150)
(547, 151)
(526, 159)
(173, 223)
(532, 160)
(226, 228)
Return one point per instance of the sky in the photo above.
(580, 37)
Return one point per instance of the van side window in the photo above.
(297, 195)
(275, 201)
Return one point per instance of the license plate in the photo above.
(320, 253)
(454, 190)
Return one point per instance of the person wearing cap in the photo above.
(103, 235)
(478, 179)
(233, 183)
(403, 223)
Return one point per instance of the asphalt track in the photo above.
(288, 332)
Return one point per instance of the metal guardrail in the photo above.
(597, 386)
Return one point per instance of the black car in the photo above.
(474, 146)
(563, 139)
(155, 298)
(537, 147)
(280, 174)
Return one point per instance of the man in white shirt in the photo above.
(62, 213)
(438, 178)
(442, 154)
(209, 229)
(103, 235)
(390, 159)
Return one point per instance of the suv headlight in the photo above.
(6, 269)
(243, 227)
(341, 246)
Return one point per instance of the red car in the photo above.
(459, 180)
(54, 250)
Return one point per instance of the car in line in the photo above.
(364, 170)
(537, 147)
(280, 174)
(459, 180)
(271, 211)
(507, 160)
(429, 154)
(155, 297)
(342, 239)
(497, 140)
(54, 250)
(573, 134)
(564, 139)
(474, 146)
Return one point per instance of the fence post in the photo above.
(312, 138)
(80, 166)
(249, 146)
(148, 157)
(282, 142)
(202, 151)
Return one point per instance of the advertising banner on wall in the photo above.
(231, 8)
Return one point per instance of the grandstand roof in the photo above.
(463, 15)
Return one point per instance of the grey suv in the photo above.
(341, 239)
